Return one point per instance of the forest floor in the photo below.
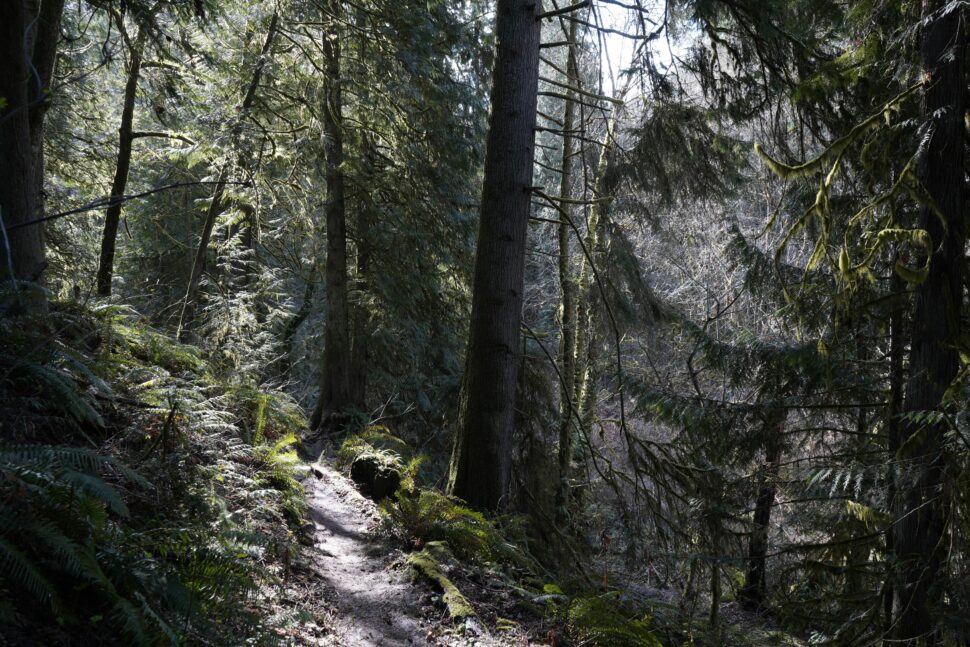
(374, 598)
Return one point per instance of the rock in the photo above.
(305, 534)
(374, 477)
(473, 627)
(302, 472)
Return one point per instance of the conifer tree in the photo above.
(481, 460)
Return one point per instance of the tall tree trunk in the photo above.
(335, 391)
(112, 216)
(47, 35)
(22, 250)
(361, 327)
(605, 185)
(753, 592)
(897, 349)
(921, 523)
(217, 204)
(567, 282)
(365, 209)
(482, 456)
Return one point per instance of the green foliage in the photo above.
(268, 414)
(277, 471)
(49, 388)
(375, 439)
(600, 621)
(387, 452)
(87, 544)
(432, 516)
(66, 552)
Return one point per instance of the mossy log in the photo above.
(428, 564)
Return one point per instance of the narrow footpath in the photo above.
(376, 599)
(377, 603)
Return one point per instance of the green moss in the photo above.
(142, 343)
(600, 621)
(381, 453)
(426, 563)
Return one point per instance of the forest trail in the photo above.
(376, 603)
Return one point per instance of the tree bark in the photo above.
(606, 183)
(921, 523)
(112, 216)
(361, 324)
(482, 456)
(22, 249)
(753, 592)
(567, 282)
(47, 35)
(897, 350)
(335, 389)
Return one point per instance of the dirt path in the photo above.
(374, 598)
(377, 604)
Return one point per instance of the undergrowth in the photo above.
(142, 497)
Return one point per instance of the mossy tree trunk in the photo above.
(919, 533)
(112, 216)
(335, 388)
(607, 179)
(482, 457)
(567, 282)
(29, 32)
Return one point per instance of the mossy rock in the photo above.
(375, 477)
(376, 438)
(428, 564)
(378, 462)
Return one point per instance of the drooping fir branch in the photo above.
(831, 159)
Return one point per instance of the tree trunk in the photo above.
(335, 391)
(47, 36)
(897, 349)
(482, 456)
(112, 216)
(921, 524)
(753, 592)
(567, 282)
(218, 205)
(22, 252)
(606, 184)
(361, 328)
